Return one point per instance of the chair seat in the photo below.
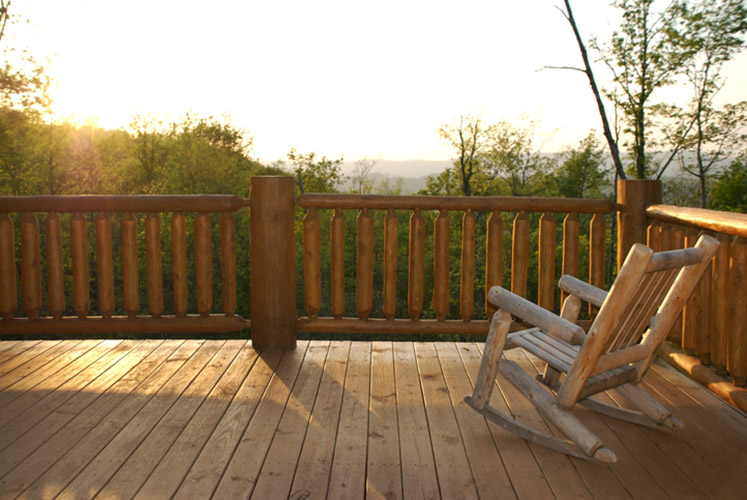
(557, 353)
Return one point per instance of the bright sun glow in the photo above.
(333, 76)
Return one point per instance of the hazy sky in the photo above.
(339, 77)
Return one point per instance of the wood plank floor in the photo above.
(159, 419)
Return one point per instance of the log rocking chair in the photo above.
(634, 318)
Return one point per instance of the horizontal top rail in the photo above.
(123, 203)
(485, 203)
(731, 223)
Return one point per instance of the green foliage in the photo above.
(730, 188)
(644, 55)
(492, 159)
(314, 175)
(582, 173)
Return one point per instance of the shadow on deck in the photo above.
(340, 419)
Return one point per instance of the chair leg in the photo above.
(499, 326)
(562, 419)
(650, 406)
(550, 377)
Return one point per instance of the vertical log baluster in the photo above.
(691, 313)
(365, 265)
(571, 234)
(467, 284)
(547, 246)
(55, 276)
(416, 270)
(30, 265)
(203, 265)
(665, 237)
(653, 236)
(441, 266)
(337, 255)
(312, 262)
(720, 306)
(520, 255)
(154, 264)
(493, 258)
(79, 251)
(105, 263)
(702, 325)
(737, 362)
(228, 262)
(131, 300)
(179, 253)
(677, 241)
(8, 278)
(391, 225)
(597, 244)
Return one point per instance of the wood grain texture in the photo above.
(8, 275)
(520, 255)
(55, 278)
(441, 264)
(31, 264)
(95, 417)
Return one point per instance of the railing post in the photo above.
(272, 254)
(632, 223)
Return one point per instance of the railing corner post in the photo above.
(635, 196)
(272, 254)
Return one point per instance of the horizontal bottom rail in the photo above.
(192, 323)
(396, 326)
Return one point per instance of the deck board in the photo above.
(332, 419)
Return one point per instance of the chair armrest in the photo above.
(582, 290)
(536, 315)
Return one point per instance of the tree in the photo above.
(470, 138)
(644, 55)
(23, 83)
(315, 176)
(207, 155)
(361, 183)
(514, 165)
(718, 136)
(589, 72)
(655, 47)
(582, 173)
(729, 189)
(713, 34)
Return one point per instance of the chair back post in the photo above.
(671, 307)
(618, 297)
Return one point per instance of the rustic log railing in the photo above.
(48, 289)
(714, 324)
(131, 213)
(470, 320)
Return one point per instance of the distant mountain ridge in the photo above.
(403, 168)
(411, 173)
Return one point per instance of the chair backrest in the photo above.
(649, 293)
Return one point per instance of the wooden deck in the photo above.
(191, 419)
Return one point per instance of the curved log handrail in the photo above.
(731, 223)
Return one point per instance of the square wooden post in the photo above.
(632, 223)
(272, 253)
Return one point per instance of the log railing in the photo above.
(134, 216)
(441, 210)
(97, 264)
(713, 326)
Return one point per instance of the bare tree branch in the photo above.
(614, 151)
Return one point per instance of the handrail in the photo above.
(123, 203)
(483, 203)
(731, 223)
